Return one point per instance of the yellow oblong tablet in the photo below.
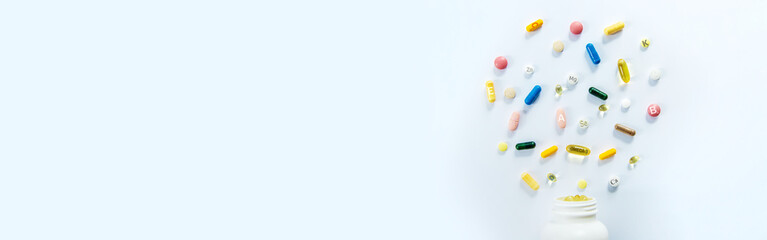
(530, 181)
(535, 25)
(612, 29)
(607, 154)
(490, 91)
(578, 150)
(546, 153)
(623, 69)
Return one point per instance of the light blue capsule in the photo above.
(533, 95)
(593, 53)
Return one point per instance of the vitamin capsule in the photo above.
(576, 27)
(593, 53)
(502, 146)
(604, 107)
(490, 91)
(598, 93)
(509, 93)
(612, 29)
(623, 69)
(535, 25)
(645, 42)
(626, 130)
(582, 184)
(501, 62)
(653, 110)
(533, 95)
(607, 154)
(525, 145)
(530, 181)
(633, 160)
(546, 153)
(561, 120)
(578, 150)
(514, 121)
(558, 89)
(614, 181)
(558, 46)
(551, 177)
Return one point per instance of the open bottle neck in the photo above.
(574, 211)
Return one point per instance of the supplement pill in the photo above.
(645, 42)
(612, 29)
(532, 96)
(582, 184)
(514, 121)
(503, 146)
(558, 89)
(614, 181)
(578, 150)
(529, 69)
(551, 177)
(593, 53)
(535, 25)
(583, 123)
(490, 91)
(525, 145)
(623, 69)
(501, 62)
(626, 130)
(625, 103)
(559, 46)
(572, 79)
(561, 120)
(598, 93)
(633, 160)
(607, 154)
(509, 93)
(530, 181)
(604, 108)
(576, 27)
(546, 153)
(653, 110)
(655, 74)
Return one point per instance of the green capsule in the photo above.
(597, 93)
(525, 145)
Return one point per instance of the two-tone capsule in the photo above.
(598, 93)
(535, 25)
(533, 95)
(612, 29)
(625, 129)
(578, 150)
(593, 53)
(623, 69)
(525, 145)
(530, 181)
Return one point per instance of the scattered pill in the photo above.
(598, 93)
(529, 69)
(559, 46)
(604, 108)
(533, 95)
(501, 62)
(653, 110)
(607, 154)
(561, 119)
(576, 27)
(576, 198)
(514, 121)
(623, 69)
(546, 153)
(558, 89)
(655, 74)
(503, 146)
(593, 53)
(572, 79)
(535, 25)
(509, 93)
(633, 160)
(612, 29)
(614, 181)
(582, 184)
(551, 177)
(530, 181)
(583, 123)
(645, 42)
(490, 91)
(626, 130)
(525, 145)
(578, 150)
(625, 103)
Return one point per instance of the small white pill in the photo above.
(614, 181)
(559, 46)
(655, 74)
(529, 69)
(625, 103)
(572, 79)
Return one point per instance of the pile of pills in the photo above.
(573, 150)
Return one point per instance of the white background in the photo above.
(368, 120)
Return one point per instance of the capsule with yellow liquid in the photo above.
(490, 91)
(612, 29)
(578, 150)
(530, 181)
(535, 25)
(623, 69)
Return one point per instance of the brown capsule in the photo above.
(626, 130)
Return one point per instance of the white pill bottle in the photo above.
(574, 220)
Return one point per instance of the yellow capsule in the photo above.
(612, 29)
(530, 181)
(546, 153)
(578, 150)
(490, 91)
(569, 198)
(534, 26)
(623, 68)
(607, 154)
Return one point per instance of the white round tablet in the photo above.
(572, 79)
(625, 103)
(614, 181)
(655, 74)
(529, 69)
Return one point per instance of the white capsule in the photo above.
(655, 74)
(625, 103)
(529, 69)
(572, 79)
(614, 181)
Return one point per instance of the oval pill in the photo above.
(623, 69)
(530, 181)
(578, 150)
(607, 154)
(598, 93)
(546, 153)
(576, 27)
(514, 121)
(626, 130)
(533, 95)
(593, 53)
(561, 119)
(525, 145)
(653, 110)
(612, 29)
(535, 25)
(501, 62)
(490, 91)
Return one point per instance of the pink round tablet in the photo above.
(514, 121)
(500, 62)
(561, 120)
(576, 27)
(653, 110)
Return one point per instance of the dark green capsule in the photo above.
(525, 145)
(597, 93)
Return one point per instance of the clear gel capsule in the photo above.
(623, 69)
(578, 150)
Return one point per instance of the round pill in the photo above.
(614, 181)
(502, 146)
(653, 110)
(582, 184)
(509, 93)
(529, 69)
(655, 74)
(572, 79)
(501, 62)
(645, 42)
(576, 27)
(625, 103)
(559, 46)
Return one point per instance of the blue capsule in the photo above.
(593, 53)
(533, 95)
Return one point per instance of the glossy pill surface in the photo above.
(514, 121)
(578, 150)
(490, 91)
(612, 29)
(561, 119)
(625, 129)
(623, 69)
(607, 154)
(525, 145)
(530, 181)
(533, 95)
(653, 110)
(546, 153)
(501, 62)
(582, 184)
(598, 93)
(576, 27)
(593, 53)
(503, 146)
(535, 25)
